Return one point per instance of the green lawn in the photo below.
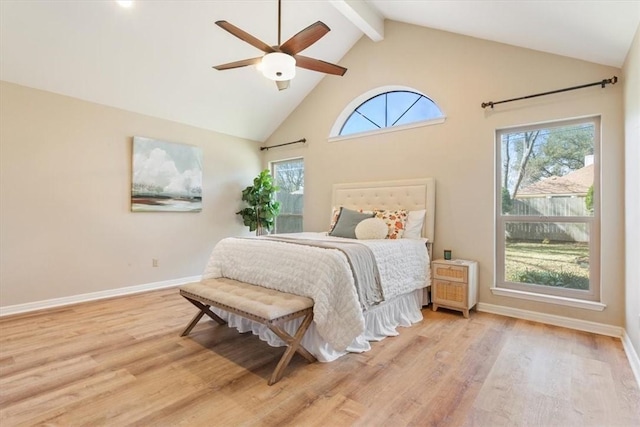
(552, 264)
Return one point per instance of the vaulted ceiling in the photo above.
(156, 57)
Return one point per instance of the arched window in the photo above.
(387, 108)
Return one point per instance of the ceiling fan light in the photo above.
(278, 66)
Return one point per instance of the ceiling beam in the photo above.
(363, 16)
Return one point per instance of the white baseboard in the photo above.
(110, 293)
(566, 322)
(634, 361)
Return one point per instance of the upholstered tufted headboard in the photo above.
(410, 194)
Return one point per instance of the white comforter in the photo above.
(321, 274)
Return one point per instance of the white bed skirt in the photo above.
(381, 321)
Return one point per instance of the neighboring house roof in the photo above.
(575, 183)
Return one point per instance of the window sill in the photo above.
(550, 299)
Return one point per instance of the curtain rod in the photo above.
(602, 83)
(300, 141)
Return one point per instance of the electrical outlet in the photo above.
(154, 262)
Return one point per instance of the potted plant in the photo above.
(263, 208)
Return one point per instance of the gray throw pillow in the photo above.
(347, 222)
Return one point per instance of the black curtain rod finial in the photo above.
(612, 81)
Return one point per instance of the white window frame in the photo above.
(334, 134)
(570, 297)
(272, 165)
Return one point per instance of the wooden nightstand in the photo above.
(455, 284)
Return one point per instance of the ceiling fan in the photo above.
(280, 61)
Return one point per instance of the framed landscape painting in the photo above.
(167, 177)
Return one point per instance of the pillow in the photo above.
(413, 226)
(395, 221)
(372, 228)
(347, 222)
(335, 214)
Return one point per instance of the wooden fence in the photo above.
(554, 206)
(290, 218)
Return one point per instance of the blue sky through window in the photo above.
(374, 110)
(389, 109)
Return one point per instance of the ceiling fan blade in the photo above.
(305, 38)
(238, 64)
(318, 65)
(244, 36)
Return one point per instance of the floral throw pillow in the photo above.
(395, 220)
(334, 218)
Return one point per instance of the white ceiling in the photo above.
(156, 57)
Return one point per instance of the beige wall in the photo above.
(65, 181)
(459, 73)
(632, 190)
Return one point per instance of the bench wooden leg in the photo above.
(293, 346)
(191, 324)
(204, 309)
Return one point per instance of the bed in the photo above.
(300, 264)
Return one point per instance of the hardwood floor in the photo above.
(122, 362)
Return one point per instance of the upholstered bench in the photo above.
(266, 306)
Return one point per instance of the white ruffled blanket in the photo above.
(321, 274)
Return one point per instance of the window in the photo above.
(547, 209)
(289, 176)
(384, 108)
